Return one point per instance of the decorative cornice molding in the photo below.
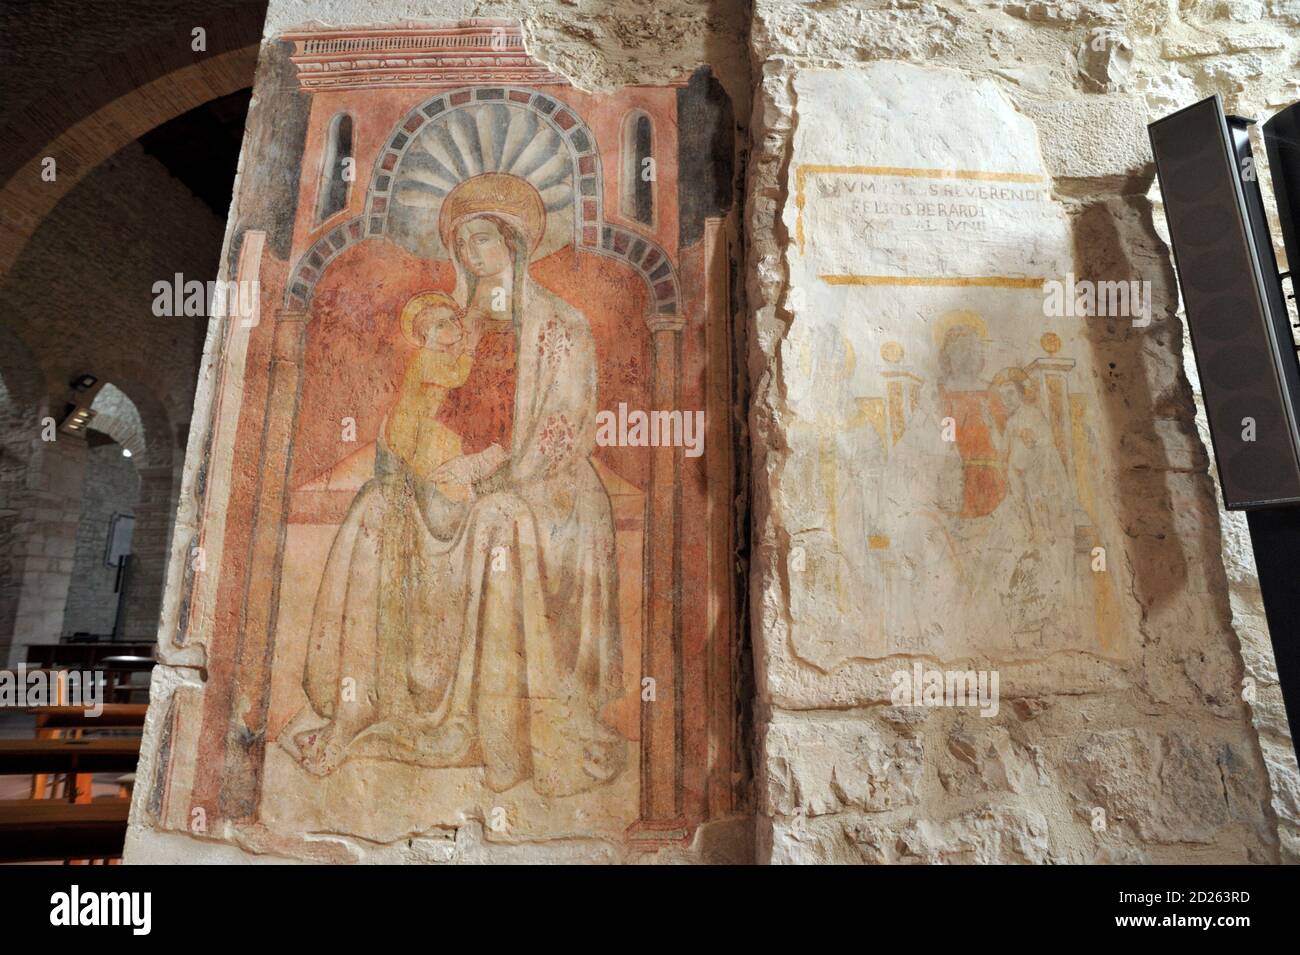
(470, 51)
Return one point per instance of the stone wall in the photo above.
(111, 487)
(1247, 53)
(79, 301)
(41, 542)
(945, 477)
(15, 456)
(1134, 734)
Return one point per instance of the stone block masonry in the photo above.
(910, 461)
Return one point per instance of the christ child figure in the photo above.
(422, 443)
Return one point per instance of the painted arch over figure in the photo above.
(461, 134)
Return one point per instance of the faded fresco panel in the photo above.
(476, 542)
(944, 489)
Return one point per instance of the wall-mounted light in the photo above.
(76, 418)
(126, 452)
(84, 382)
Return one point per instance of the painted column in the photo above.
(661, 654)
(241, 790)
(1051, 376)
(718, 349)
(202, 517)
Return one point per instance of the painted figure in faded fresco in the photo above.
(966, 400)
(1039, 508)
(470, 594)
(414, 431)
(976, 500)
(921, 500)
(1014, 529)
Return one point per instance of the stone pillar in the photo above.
(201, 529)
(661, 650)
(149, 552)
(241, 790)
(45, 542)
(15, 511)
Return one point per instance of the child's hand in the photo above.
(476, 323)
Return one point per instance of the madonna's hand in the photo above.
(456, 471)
(490, 460)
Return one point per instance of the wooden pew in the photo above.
(117, 662)
(120, 671)
(82, 656)
(21, 757)
(40, 830)
(75, 829)
(114, 716)
(55, 722)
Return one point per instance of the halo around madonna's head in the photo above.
(493, 193)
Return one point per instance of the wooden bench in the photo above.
(40, 830)
(82, 656)
(78, 828)
(113, 716)
(20, 757)
(120, 671)
(72, 722)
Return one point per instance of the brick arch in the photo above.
(591, 233)
(312, 263)
(161, 446)
(117, 416)
(89, 118)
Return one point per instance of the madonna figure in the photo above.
(468, 617)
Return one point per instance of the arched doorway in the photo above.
(101, 577)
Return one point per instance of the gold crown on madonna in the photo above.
(498, 194)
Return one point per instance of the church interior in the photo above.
(572, 432)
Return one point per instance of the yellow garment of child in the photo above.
(413, 433)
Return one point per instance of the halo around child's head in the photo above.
(417, 304)
(1019, 378)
